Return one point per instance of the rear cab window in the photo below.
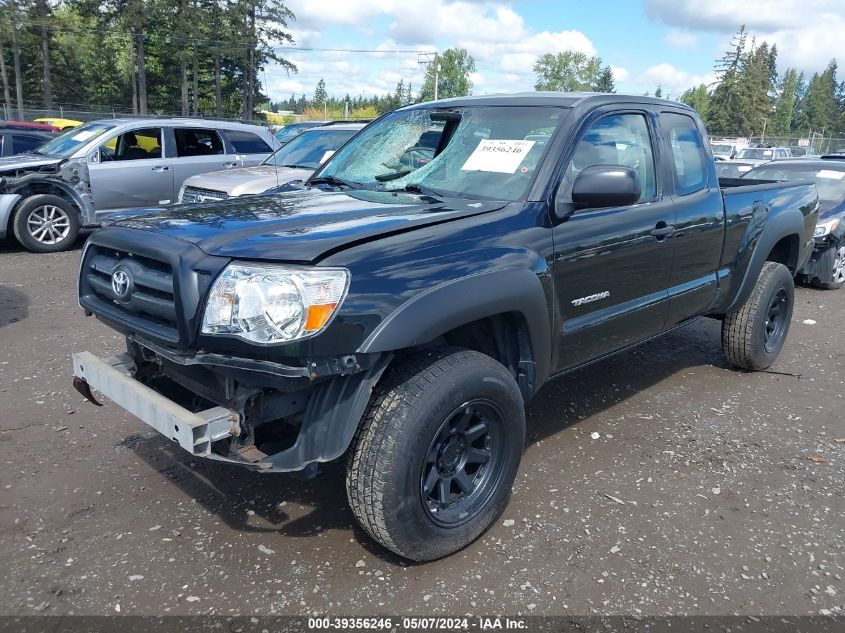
(689, 169)
(247, 142)
(197, 142)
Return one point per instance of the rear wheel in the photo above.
(753, 336)
(433, 463)
(832, 262)
(46, 224)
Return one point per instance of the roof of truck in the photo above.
(549, 98)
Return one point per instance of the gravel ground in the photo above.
(658, 482)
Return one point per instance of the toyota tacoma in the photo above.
(399, 313)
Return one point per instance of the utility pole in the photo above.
(433, 60)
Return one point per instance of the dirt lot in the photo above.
(699, 495)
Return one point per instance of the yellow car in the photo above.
(62, 124)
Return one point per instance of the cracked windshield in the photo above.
(454, 152)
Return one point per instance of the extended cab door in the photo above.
(612, 265)
(699, 217)
(131, 170)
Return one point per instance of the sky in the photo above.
(647, 43)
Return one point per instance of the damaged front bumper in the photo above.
(113, 378)
(320, 418)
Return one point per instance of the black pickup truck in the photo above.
(401, 308)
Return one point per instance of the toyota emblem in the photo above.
(121, 283)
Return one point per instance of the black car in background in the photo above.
(15, 140)
(826, 267)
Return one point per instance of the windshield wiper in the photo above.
(296, 166)
(335, 182)
(415, 187)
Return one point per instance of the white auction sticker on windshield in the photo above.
(329, 153)
(829, 173)
(500, 156)
(84, 135)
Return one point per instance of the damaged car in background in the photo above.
(70, 182)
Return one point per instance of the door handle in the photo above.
(662, 230)
(227, 165)
(161, 168)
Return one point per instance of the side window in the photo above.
(23, 143)
(133, 145)
(197, 142)
(618, 139)
(689, 169)
(247, 142)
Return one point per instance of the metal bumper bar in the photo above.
(192, 431)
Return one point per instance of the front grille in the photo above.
(149, 297)
(196, 194)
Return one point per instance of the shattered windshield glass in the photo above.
(477, 152)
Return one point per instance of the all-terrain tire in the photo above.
(46, 224)
(753, 335)
(415, 413)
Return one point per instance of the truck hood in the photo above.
(302, 225)
(248, 180)
(27, 161)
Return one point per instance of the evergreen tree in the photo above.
(320, 94)
(723, 108)
(698, 99)
(605, 81)
(785, 102)
(822, 108)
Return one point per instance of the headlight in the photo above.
(825, 228)
(273, 304)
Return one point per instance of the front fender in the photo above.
(449, 305)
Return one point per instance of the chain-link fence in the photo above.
(10, 112)
(817, 143)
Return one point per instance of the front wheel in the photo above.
(46, 224)
(753, 335)
(433, 463)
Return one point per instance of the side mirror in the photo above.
(94, 157)
(606, 186)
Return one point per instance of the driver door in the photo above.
(131, 170)
(612, 265)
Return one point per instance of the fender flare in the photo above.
(332, 417)
(784, 224)
(457, 302)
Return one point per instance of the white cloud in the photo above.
(681, 38)
(673, 81)
(495, 34)
(807, 32)
(620, 74)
